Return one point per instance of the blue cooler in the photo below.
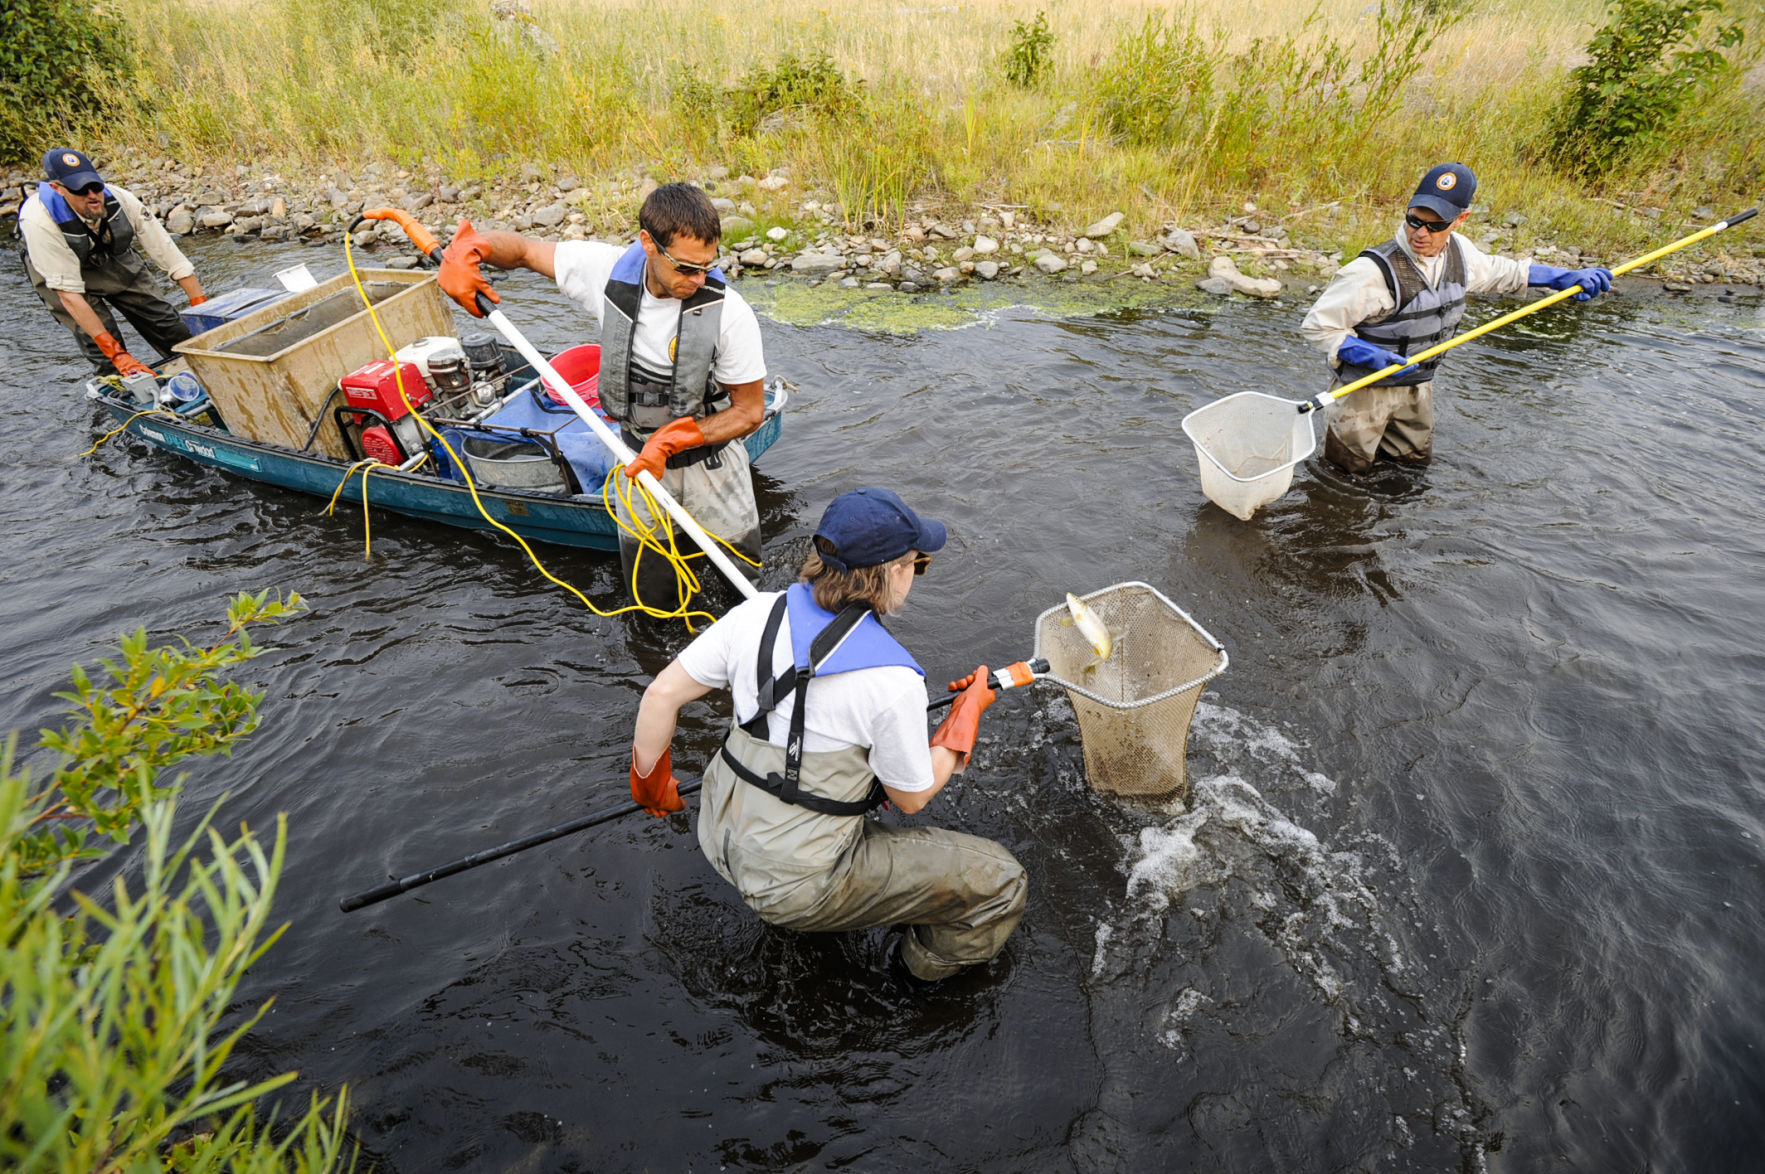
(218, 311)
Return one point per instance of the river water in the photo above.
(1469, 878)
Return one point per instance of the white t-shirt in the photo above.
(879, 708)
(582, 269)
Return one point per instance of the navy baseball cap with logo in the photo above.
(869, 527)
(1446, 190)
(70, 169)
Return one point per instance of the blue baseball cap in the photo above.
(1446, 190)
(869, 527)
(70, 169)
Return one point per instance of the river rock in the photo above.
(399, 263)
(736, 227)
(890, 265)
(1215, 286)
(773, 183)
(1050, 263)
(722, 204)
(986, 270)
(417, 201)
(568, 184)
(550, 216)
(948, 276)
(775, 234)
(908, 287)
(984, 245)
(1104, 226)
(448, 194)
(278, 208)
(1258, 287)
(180, 222)
(816, 264)
(753, 257)
(217, 219)
(1143, 249)
(339, 199)
(1182, 242)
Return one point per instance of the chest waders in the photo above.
(114, 275)
(1424, 315)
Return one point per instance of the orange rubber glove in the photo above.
(123, 361)
(1012, 676)
(963, 723)
(460, 278)
(198, 299)
(672, 437)
(657, 792)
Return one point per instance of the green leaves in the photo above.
(1031, 55)
(59, 60)
(120, 1017)
(1647, 63)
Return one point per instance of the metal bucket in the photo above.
(1247, 445)
(504, 464)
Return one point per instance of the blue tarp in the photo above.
(536, 412)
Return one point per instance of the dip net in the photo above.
(1135, 707)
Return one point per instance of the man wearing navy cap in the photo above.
(79, 237)
(829, 724)
(1398, 299)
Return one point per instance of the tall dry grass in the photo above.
(320, 81)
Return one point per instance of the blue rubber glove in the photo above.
(1358, 352)
(1591, 281)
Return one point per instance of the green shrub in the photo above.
(1278, 103)
(59, 62)
(808, 88)
(1647, 62)
(120, 1016)
(1032, 52)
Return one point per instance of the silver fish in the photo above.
(1095, 632)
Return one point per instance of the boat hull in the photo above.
(554, 518)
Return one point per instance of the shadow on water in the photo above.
(1466, 878)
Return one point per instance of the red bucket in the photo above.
(581, 368)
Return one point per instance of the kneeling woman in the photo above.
(829, 724)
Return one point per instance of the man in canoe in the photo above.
(1398, 299)
(682, 370)
(79, 237)
(829, 723)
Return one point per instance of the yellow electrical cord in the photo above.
(687, 582)
(366, 467)
(123, 427)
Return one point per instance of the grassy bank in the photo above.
(882, 106)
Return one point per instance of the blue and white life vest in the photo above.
(822, 644)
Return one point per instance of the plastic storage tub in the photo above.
(227, 307)
(272, 374)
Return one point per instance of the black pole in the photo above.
(419, 879)
(687, 786)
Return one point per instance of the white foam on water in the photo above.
(1227, 735)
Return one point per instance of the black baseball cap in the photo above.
(1446, 190)
(869, 527)
(70, 169)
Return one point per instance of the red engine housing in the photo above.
(375, 386)
(379, 443)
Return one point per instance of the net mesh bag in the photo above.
(1134, 708)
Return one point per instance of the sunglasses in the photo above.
(686, 269)
(1430, 225)
(920, 563)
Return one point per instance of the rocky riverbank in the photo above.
(772, 227)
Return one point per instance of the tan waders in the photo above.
(719, 494)
(121, 283)
(961, 895)
(1393, 421)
